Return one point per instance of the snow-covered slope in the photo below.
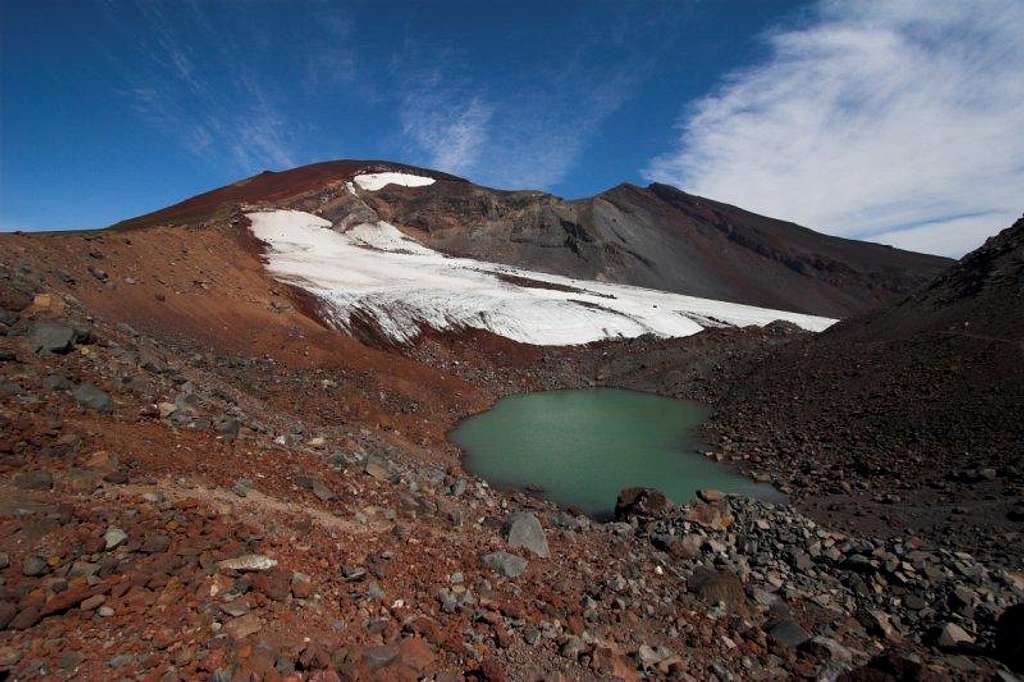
(376, 272)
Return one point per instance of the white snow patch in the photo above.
(375, 181)
(376, 271)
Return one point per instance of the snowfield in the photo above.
(378, 273)
(372, 182)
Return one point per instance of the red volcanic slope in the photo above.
(272, 186)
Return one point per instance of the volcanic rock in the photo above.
(641, 502)
(523, 529)
(503, 563)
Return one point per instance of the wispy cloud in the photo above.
(453, 128)
(527, 127)
(167, 85)
(893, 120)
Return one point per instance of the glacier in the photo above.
(376, 272)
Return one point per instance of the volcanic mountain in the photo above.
(656, 237)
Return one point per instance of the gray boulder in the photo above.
(89, 396)
(523, 529)
(950, 636)
(54, 337)
(503, 563)
(788, 634)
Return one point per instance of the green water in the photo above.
(581, 447)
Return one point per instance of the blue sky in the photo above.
(895, 121)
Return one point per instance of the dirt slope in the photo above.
(916, 406)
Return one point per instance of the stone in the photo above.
(647, 657)
(415, 653)
(302, 586)
(687, 547)
(89, 396)
(316, 486)
(121, 660)
(92, 603)
(710, 516)
(35, 566)
(523, 529)
(878, 623)
(52, 337)
(155, 543)
(353, 573)
(242, 487)
(827, 650)
(243, 626)
(379, 657)
(374, 591)
(572, 647)
(228, 427)
(70, 660)
(375, 469)
(114, 538)
(787, 634)
(37, 479)
(641, 502)
(710, 495)
(950, 636)
(248, 563)
(503, 563)
(58, 382)
(712, 587)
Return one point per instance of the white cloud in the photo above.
(898, 121)
(954, 236)
(452, 129)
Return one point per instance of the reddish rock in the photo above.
(710, 516)
(641, 502)
(243, 626)
(302, 586)
(416, 654)
(275, 583)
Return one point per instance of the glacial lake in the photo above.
(581, 447)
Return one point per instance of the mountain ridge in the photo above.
(657, 236)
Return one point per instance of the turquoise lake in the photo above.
(581, 447)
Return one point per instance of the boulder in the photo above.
(53, 337)
(93, 398)
(642, 502)
(710, 516)
(36, 479)
(503, 563)
(787, 634)
(713, 587)
(523, 529)
(949, 636)
(826, 650)
(114, 538)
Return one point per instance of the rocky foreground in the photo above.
(163, 517)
